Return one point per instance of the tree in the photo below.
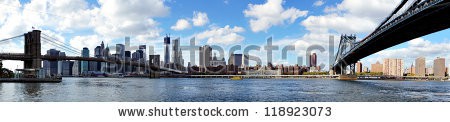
(5, 73)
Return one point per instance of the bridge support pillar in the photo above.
(154, 62)
(32, 49)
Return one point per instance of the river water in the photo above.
(222, 90)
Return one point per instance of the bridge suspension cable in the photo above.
(60, 46)
(7, 39)
(58, 41)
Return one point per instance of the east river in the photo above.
(223, 90)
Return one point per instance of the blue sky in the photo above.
(300, 23)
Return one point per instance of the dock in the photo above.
(30, 80)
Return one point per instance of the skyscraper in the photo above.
(420, 66)
(98, 52)
(127, 43)
(143, 48)
(439, 67)
(176, 51)
(205, 56)
(84, 64)
(393, 67)
(313, 60)
(166, 50)
(120, 49)
(235, 59)
(51, 67)
(151, 50)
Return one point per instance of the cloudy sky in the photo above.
(301, 23)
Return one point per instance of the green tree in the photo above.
(5, 73)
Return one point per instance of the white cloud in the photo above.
(271, 14)
(200, 18)
(181, 25)
(318, 3)
(225, 35)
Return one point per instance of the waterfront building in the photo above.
(84, 64)
(127, 43)
(377, 67)
(365, 69)
(76, 68)
(51, 67)
(393, 67)
(67, 68)
(175, 51)
(429, 71)
(235, 60)
(313, 60)
(215, 62)
(412, 69)
(120, 50)
(358, 67)
(205, 56)
(439, 67)
(60, 64)
(420, 66)
(128, 68)
(143, 48)
(151, 50)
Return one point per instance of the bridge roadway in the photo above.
(22, 56)
(433, 17)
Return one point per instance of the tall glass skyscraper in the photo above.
(84, 64)
(166, 50)
(120, 49)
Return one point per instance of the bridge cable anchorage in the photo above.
(61, 46)
(58, 40)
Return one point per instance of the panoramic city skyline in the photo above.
(301, 23)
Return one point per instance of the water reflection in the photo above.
(32, 89)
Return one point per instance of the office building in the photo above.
(151, 50)
(51, 67)
(176, 51)
(84, 64)
(205, 56)
(127, 44)
(120, 50)
(313, 60)
(420, 67)
(143, 48)
(166, 51)
(235, 60)
(393, 67)
(439, 67)
(67, 68)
